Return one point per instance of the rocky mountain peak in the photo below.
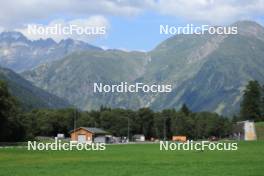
(250, 29)
(12, 36)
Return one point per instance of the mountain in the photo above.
(207, 72)
(19, 53)
(29, 96)
(73, 77)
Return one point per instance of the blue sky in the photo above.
(131, 24)
(142, 32)
(137, 33)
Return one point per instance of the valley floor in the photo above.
(137, 159)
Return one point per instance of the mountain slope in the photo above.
(73, 77)
(218, 84)
(208, 72)
(19, 54)
(28, 95)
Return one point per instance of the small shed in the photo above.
(87, 134)
(179, 138)
(139, 138)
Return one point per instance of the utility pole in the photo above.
(128, 125)
(74, 123)
(164, 129)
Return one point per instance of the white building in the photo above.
(245, 130)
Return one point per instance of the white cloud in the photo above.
(211, 11)
(18, 12)
(93, 21)
(14, 13)
(1, 29)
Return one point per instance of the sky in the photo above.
(130, 24)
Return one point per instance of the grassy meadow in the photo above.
(134, 159)
(260, 130)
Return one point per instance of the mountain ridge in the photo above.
(19, 53)
(208, 72)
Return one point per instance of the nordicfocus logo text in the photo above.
(67, 146)
(71, 29)
(199, 30)
(199, 146)
(124, 87)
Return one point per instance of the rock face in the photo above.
(208, 72)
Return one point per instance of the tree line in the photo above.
(123, 122)
(17, 125)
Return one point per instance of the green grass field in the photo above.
(260, 130)
(139, 159)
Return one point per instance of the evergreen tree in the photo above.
(185, 109)
(251, 103)
(235, 118)
(10, 127)
(262, 103)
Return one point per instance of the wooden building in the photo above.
(87, 134)
(179, 138)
